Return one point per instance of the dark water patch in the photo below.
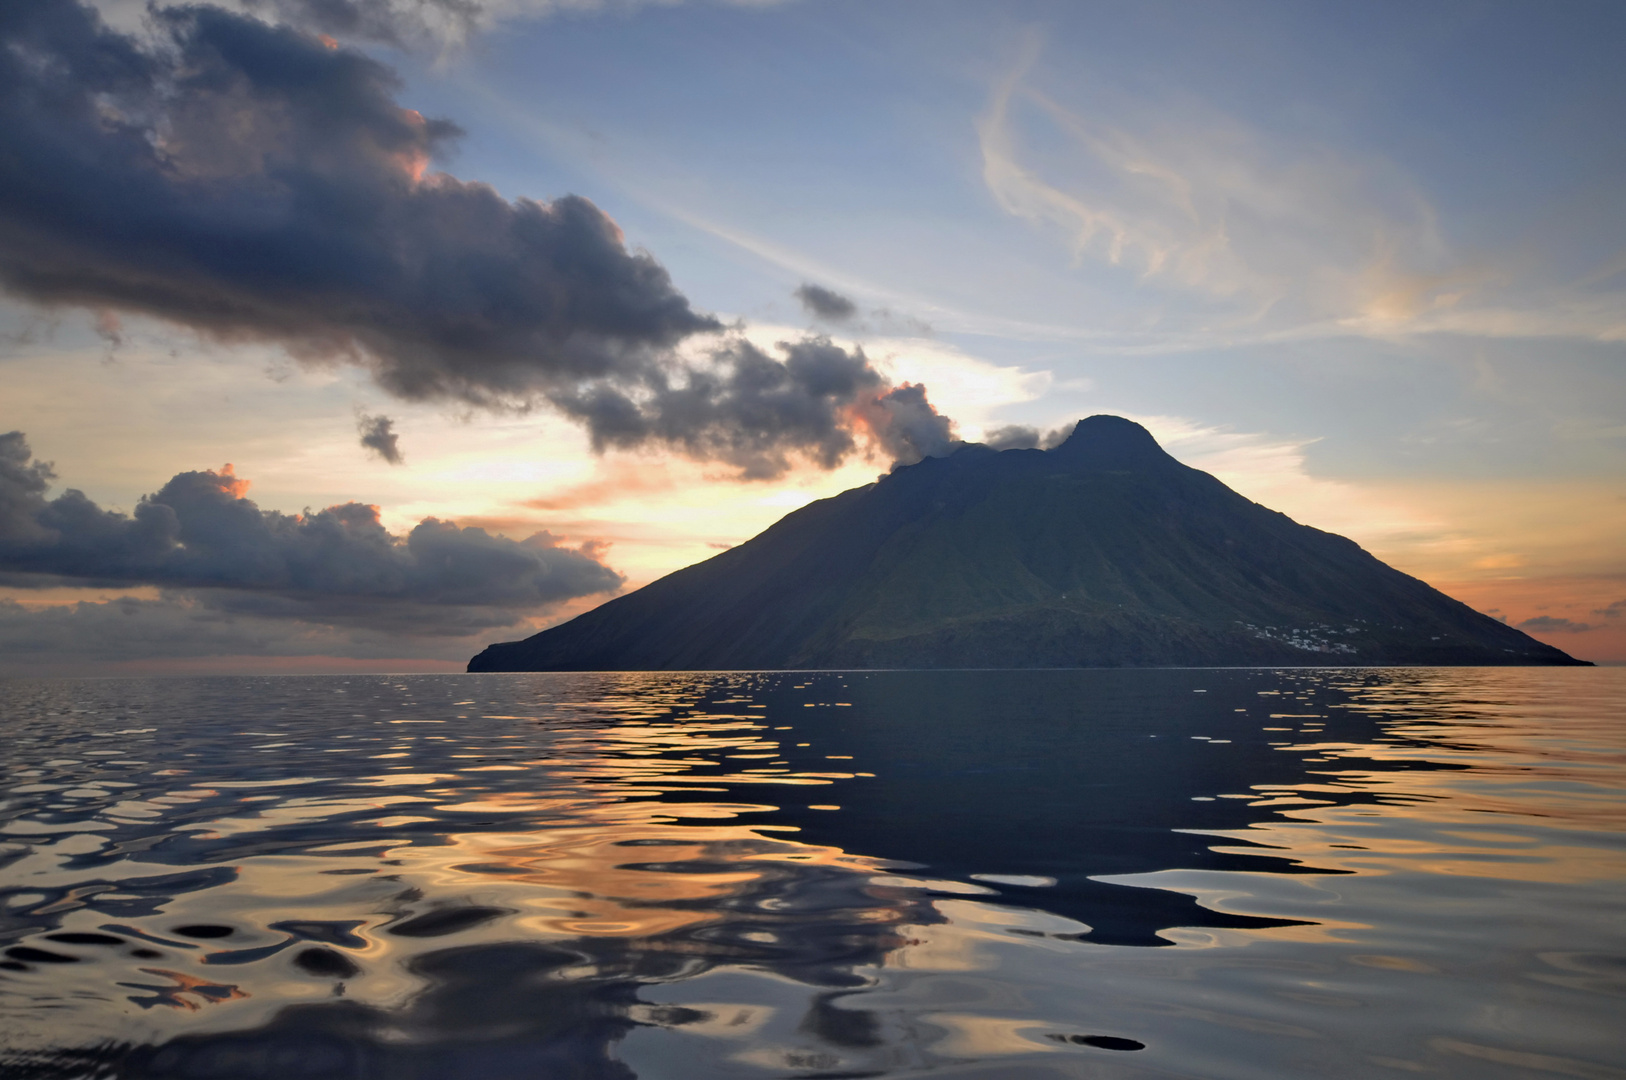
(445, 921)
(85, 939)
(206, 931)
(325, 963)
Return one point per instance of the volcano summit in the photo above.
(1102, 552)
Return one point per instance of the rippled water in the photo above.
(1210, 874)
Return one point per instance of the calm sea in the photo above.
(1197, 873)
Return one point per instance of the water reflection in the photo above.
(831, 874)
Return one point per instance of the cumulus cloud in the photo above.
(378, 435)
(1022, 437)
(337, 566)
(825, 303)
(1553, 625)
(1612, 611)
(752, 409)
(254, 182)
(905, 423)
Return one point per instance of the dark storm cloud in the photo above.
(825, 303)
(23, 484)
(337, 565)
(752, 409)
(1022, 437)
(253, 182)
(1550, 624)
(379, 436)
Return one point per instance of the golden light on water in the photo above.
(616, 836)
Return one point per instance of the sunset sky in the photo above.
(602, 288)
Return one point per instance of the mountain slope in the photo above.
(1104, 551)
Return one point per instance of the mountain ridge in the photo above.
(1102, 551)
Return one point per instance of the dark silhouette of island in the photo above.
(1102, 552)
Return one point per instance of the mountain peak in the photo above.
(1111, 442)
(1102, 552)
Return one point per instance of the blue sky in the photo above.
(1365, 262)
(755, 148)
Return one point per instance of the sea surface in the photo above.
(1190, 873)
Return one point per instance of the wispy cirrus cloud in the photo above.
(1230, 233)
(1203, 204)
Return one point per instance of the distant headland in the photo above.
(1101, 552)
